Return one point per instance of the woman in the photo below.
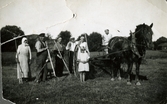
(83, 58)
(23, 58)
(59, 53)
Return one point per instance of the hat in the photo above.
(42, 35)
(72, 38)
(24, 39)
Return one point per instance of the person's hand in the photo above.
(84, 62)
(46, 48)
(47, 60)
(17, 60)
(59, 56)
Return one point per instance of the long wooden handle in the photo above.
(62, 58)
(65, 65)
(51, 61)
(11, 40)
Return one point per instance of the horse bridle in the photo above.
(145, 41)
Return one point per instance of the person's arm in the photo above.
(78, 55)
(55, 46)
(68, 46)
(17, 54)
(103, 38)
(38, 47)
(30, 55)
(78, 44)
(56, 50)
(86, 46)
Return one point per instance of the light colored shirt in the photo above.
(24, 50)
(71, 46)
(39, 46)
(106, 39)
(83, 45)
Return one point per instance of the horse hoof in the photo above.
(128, 83)
(138, 83)
(112, 79)
(119, 78)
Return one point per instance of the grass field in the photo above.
(97, 90)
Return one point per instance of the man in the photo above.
(41, 71)
(71, 47)
(105, 39)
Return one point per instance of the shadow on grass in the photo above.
(141, 77)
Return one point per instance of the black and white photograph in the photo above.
(83, 52)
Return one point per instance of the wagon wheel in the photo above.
(75, 63)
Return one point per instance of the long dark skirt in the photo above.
(59, 65)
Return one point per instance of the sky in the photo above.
(84, 16)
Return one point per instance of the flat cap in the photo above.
(42, 35)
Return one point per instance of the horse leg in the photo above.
(115, 71)
(129, 71)
(137, 73)
(112, 72)
(119, 72)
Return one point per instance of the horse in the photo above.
(121, 49)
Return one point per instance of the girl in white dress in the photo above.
(83, 58)
(23, 57)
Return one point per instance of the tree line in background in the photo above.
(94, 39)
(9, 32)
(158, 42)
